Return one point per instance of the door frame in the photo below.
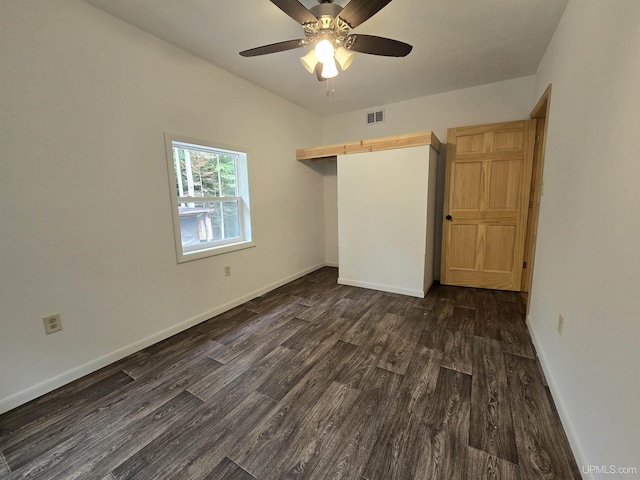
(541, 113)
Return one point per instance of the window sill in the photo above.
(213, 251)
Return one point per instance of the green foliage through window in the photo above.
(205, 173)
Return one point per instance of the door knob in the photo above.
(449, 217)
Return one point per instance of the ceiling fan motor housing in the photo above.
(325, 10)
(329, 25)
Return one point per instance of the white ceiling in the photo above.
(456, 44)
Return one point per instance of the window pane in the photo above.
(230, 219)
(204, 173)
(205, 222)
(227, 175)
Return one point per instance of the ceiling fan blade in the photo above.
(295, 10)
(379, 46)
(359, 11)
(274, 47)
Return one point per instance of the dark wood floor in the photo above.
(313, 380)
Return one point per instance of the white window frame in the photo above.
(186, 254)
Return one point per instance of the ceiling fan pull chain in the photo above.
(330, 90)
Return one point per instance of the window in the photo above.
(210, 198)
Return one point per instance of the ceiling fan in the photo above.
(328, 27)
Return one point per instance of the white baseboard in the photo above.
(51, 384)
(383, 288)
(331, 264)
(574, 441)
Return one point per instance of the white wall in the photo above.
(385, 219)
(588, 250)
(496, 102)
(85, 210)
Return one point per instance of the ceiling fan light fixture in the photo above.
(329, 69)
(324, 51)
(344, 57)
(309, 61)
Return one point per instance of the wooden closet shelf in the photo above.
(330, 152)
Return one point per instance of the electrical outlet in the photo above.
(227, 270)
(560, 323)
(52, 323)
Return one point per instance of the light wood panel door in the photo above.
(488, 178)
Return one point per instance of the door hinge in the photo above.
(530, 203)
(537, 138)
(524, 264)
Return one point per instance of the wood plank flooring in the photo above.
(313, 380)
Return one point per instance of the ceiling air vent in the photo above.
(375, 117)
